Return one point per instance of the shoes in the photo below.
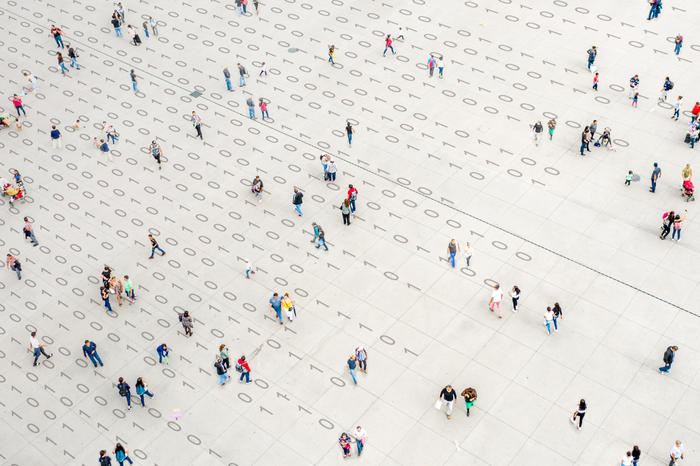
(151, 257)
(573, 421)
(579, 427)
(250, 381)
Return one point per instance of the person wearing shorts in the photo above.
(156, 152)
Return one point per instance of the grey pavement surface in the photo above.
(432, 158)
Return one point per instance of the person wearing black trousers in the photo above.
(345, 210)
(580, 412)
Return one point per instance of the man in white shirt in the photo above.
(676, 453)
(360, 439)
(468, 253)
(37, 348)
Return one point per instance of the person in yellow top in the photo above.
(288, 306)
(687, 172)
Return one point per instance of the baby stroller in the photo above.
(688, 190)
(6, 120)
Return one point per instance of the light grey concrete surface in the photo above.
(433, 159)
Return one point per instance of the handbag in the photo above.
(438, 404)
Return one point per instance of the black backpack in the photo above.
(122, 389)
(670, 85)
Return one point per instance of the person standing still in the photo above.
(104, 294)
(679, 43)
(263, 108)
(496, 298)
(515, 296)
(29, 232)
(251, 107)
(350, 131)
(669, 356)
(37, 348)
(187, 322)
(154, 25)
(90, 351)
(469, 395)
(452, 248)
(242, 72)
(17, 102)
(655, 175)
(388, 45)
(154, 246)
(163, 353)
(297, 200)
(468, 251)
(134, 82)
(227, 77)
(447, 397)
(345, 211)
(197, 123)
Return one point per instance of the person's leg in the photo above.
(352, 206)
(498, 305)
(665, 368)
(279, 315)
(160, 358)
(162, 253)
(153, 250)
(450, 405)
(359, 447)
(653, 186)
(469, 258)
(37, 353)
(92, 358)
(143, 402)
(556, 328)
(580, 420)
(350, 138)
(549, 330)
(247, 377)
(384, 54)
(352, 373)
(515, 304)
(18, 272)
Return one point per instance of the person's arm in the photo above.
(85, 353)
(684, 216)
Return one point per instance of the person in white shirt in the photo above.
(37, 348)
(496, 298)
(627, 459)
(360, 439)
(549, 320)
(676, 453)
(468, 253)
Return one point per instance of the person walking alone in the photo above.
(580, 413)
(321, 239)
(655, 175)
(17, 102)
(669, 356)
(677, 453)
(242, 72)
(352, 197)
(388, 45)
(134, 81)
(350, 131)
(197, 123)
(243, 367)
(121, 455)
(154, 246)
(90, 351)
(29, 232)
(227, 77)
(345, 211)
(592, 54)
(468, 252)
(73, 55)
(57, 35)
(263, 108)
(37, 348)
(515, 296)
(187, 322)
(297, 200)
(156, 152)
(679, 43)
(13, 264)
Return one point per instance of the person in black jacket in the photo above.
(669, 356)
(221, 371)
(296, 200)
(448, 396)
(125, 391)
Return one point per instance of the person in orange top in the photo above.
(57, 33)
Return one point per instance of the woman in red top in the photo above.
(263, 108)
(17, 101)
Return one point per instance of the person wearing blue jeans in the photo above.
(125, 391)
(655, 177)
(669, 356)
(121, 455)
(317, 229)
(679, 43)
(62, 65)
(350, 131)
(352, 365)
(592, 53)
(104, 293)
(297, 200)
(142, 390)
(154, 246)
(276, 306)
(227, 77)
(90, 351)
(452, 248)
(244, 368)
(321, 240)
(162, 351)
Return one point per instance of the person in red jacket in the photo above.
(695, 111)
(352, 197)
(244, 369)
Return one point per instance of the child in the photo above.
(248, 268)
(628, 178)
(595, 82)
(635, 99)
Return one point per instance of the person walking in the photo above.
(28, 230)
(321, 239)
(515, 296)
(104, 148)
(116, 287)
(223, 354)
(117, 26)
(73, 55)
(288, 307)
(251, 107)
(163, 353)
(537, 132)
(352, 197)
(551, 125)
(595, 81)
(654, 10)
(669, 357)
(37, 348)
(592, 54)
(129, 290)
(580, 413)
(249, 269)
(221, 371)
(297, 200)
(448, 397)
(345, 211)
(677, 107)
(257, 187)
(634, 85)
(317, 228)
(468, 252)
(635, 100)
(61, 64)
(344, 442)
(57, 36)
(352, 365)
(17, 102)
(636, 454)
(361, 354)
(12, 263)
(677, 225)
(154, 25)
(104, 458)
(452, 248)
(276, 306)
(134, 81)
(124, 390)
(142, 390)
(104, 294)
(243, 367)
(264, 68)
(388, 45)
(121, 11)
(263, 108)
(496, 298)
(548, 318)
(242, 72)
(121, 455)
(469, 395)
(350, 131)
(187, 322)
(655, 175)
(668, 219)
(154, 246)
(593, 127)
(227, 77)
(331, 170)
(144, 25)
(556, 315)
(441, 67)
(679, 43)
(360, 439)
(677, 453)
(667, 86)
(627, 459)
(197, 123)
(90, 351)
(331, 54)
(585, 140)
(431, 66)
(156, 152)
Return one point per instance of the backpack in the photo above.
(239, 368)
(122, 389)
(140, 390)
(353, 196)
(670, 85)
(180, 316)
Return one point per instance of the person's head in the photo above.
(164, 346)
(388, 35)
(680, 97)
(126, 277)
(313, 224)
(594, 47)
(121, 379)
(343, 435)
(139, 381)
(496, 286)
(675, 348)
(102, 288)
(275, 295)
(52, 127)
(296, 190)
(516, 289)
(350, 186)
(635, 449)
(549, 309)
(87, 342)
(346, 203)
(352, 356)
(219, 360)
(678, 443)
(629, 453)
(667, 78)
(452, 241)
(119, 446)
(26, 219)
(103, 453)
(630, 172)
(187, 313)
(596, 74)
(221, 347)
(556, 304)
(582, 404)
(150, 236)
(595, 122)
(359, 428)
(33, 334)
(448, 388)
(243, 358)
(193, 113)
(656, 164)
(102, 141)
(153, 143)
(238, 64)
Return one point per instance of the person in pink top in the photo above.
(263, 108)
(388, 45)
(17, 101)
